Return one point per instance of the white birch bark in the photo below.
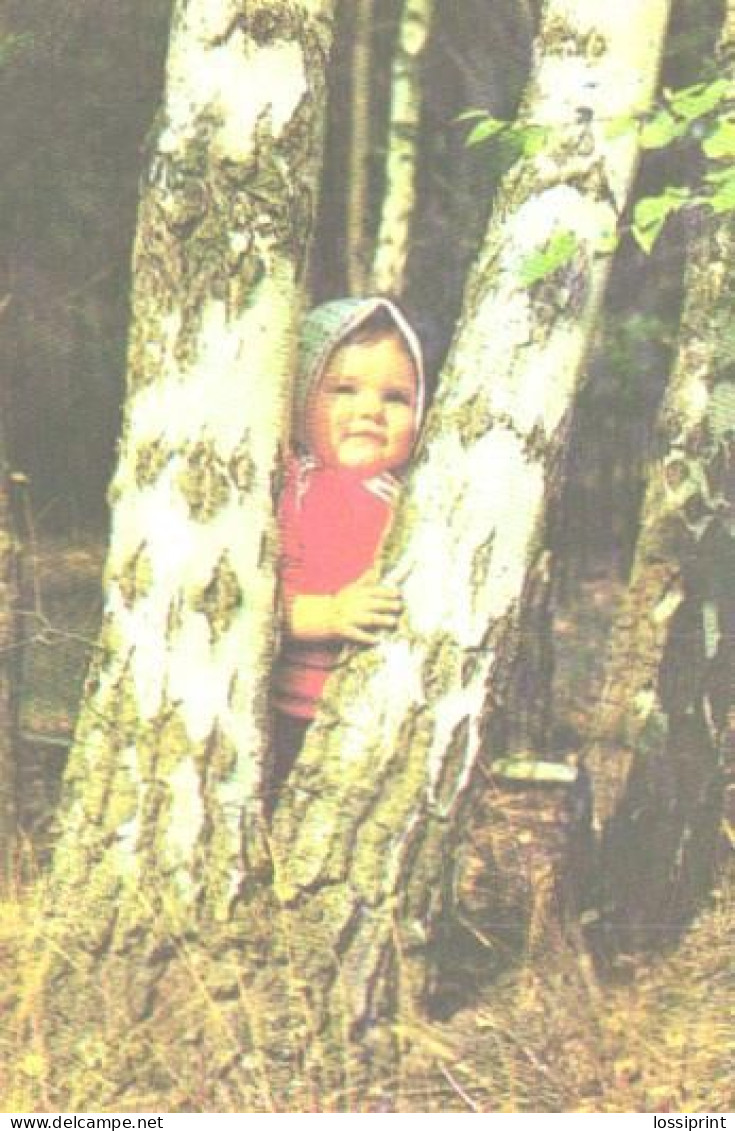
(161, 823)
(401, 168)
(377, 796)
(361, 109)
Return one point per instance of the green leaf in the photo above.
(661, 130)
(485, 129)
(618, 127)
(721, 183)
(558, 251)
(721, 142)
(723, 200)
(693, 102)
(533, 139)
(646, 237)
(471, 115)
(651, 212)
(716, 175)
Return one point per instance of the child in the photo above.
(358, 402)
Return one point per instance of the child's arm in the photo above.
(360, 613)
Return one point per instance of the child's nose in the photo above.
(371, 403)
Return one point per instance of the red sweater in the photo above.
(332, 522)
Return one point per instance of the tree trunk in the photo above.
(8, 674)
(667, 696)
(401, 169)
(162, 828)
(528, 706)
(360, 120)
(186, 926)
(376, 804)
(665, 715)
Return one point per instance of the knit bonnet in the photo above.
(324, 328)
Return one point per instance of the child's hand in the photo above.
(360, 613)
(366, 609)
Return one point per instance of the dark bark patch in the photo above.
(474, 419)
(150, 460)
(221, 599)
(136, 577)
(441, 669)
(564, 39)
(204, 481)
(264, 23)
(454, 764)
(222, 757)
(241, 466)
(562, 294)
(481, 561)
(174, 617)
(166, 744)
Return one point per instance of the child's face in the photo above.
(362, 414)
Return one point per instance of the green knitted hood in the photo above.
(322, 331)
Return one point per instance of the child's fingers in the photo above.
(380, 594)
(397, 574)
(368, 626)
(383, 605)
(384, 616)
(357, 635)
(377, 618)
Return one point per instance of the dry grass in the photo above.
(60, 614)
(654, 1035)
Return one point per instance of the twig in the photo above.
(47, 630)
(529, 1055)
(457, 1087)
(33, 739)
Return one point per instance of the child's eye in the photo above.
(397, 396)
(344, 388)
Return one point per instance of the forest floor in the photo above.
(653, 1035)
(528, 1020)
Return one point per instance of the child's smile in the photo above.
(362, 414)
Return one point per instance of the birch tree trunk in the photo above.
(376, 804)
(357, 193)
(665, 714)
(162, 833)
(666, 705)
(401, 169)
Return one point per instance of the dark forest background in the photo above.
(79, 85)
